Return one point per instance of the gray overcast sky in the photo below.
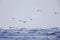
(22, 9)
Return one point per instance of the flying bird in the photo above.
(22, 21)
(30, 18)
(38, 10)
(25, 21)
(56, 12)
(13, 17)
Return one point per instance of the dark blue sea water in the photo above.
(31, 34)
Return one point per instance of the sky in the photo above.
(29, 13)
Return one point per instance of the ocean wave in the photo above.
(30, 34)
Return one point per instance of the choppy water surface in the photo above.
(30, 34)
